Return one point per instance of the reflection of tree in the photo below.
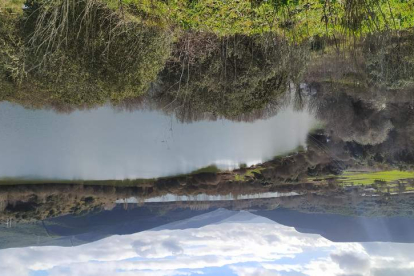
(362, 92)
(398, 148)
(228, 77)
(375, 134)
(354, 120)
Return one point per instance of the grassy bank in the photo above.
(369, 178)
(387, 178)
(84, 53)
(297, 18)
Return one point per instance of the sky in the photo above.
(244, 244)
(107, 144)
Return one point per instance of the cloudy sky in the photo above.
(243, 245)
(106, 144)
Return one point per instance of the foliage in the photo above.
(11, 54)
(249, 173)
(296, 19)
(390, 60)
(11, 6)
(83, 53)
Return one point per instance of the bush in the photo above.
(84, 53)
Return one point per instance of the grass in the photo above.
(348, 178)
(296, 19)
(113, 50)
(13, 6)
(382, 182)
(248, 173)
(78, 53)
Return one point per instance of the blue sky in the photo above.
(255, 246)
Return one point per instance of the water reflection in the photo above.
(105, 144)
(205, 197)
(219, 242)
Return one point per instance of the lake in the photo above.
(104, 144)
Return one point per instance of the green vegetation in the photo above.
(77, 52)
(297, 18)
(388, 178)
(11, 6)
(249, 173)
(389, 60)
(372, 177)
(219, 57)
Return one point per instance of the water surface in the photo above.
(107, 144)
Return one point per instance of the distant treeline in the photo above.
(35, 203)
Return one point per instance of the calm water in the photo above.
(105, 144)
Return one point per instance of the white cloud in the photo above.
(273, 248)
(352, 262)
(253, 271)
(321, 267)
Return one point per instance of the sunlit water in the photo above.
(108, 144)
